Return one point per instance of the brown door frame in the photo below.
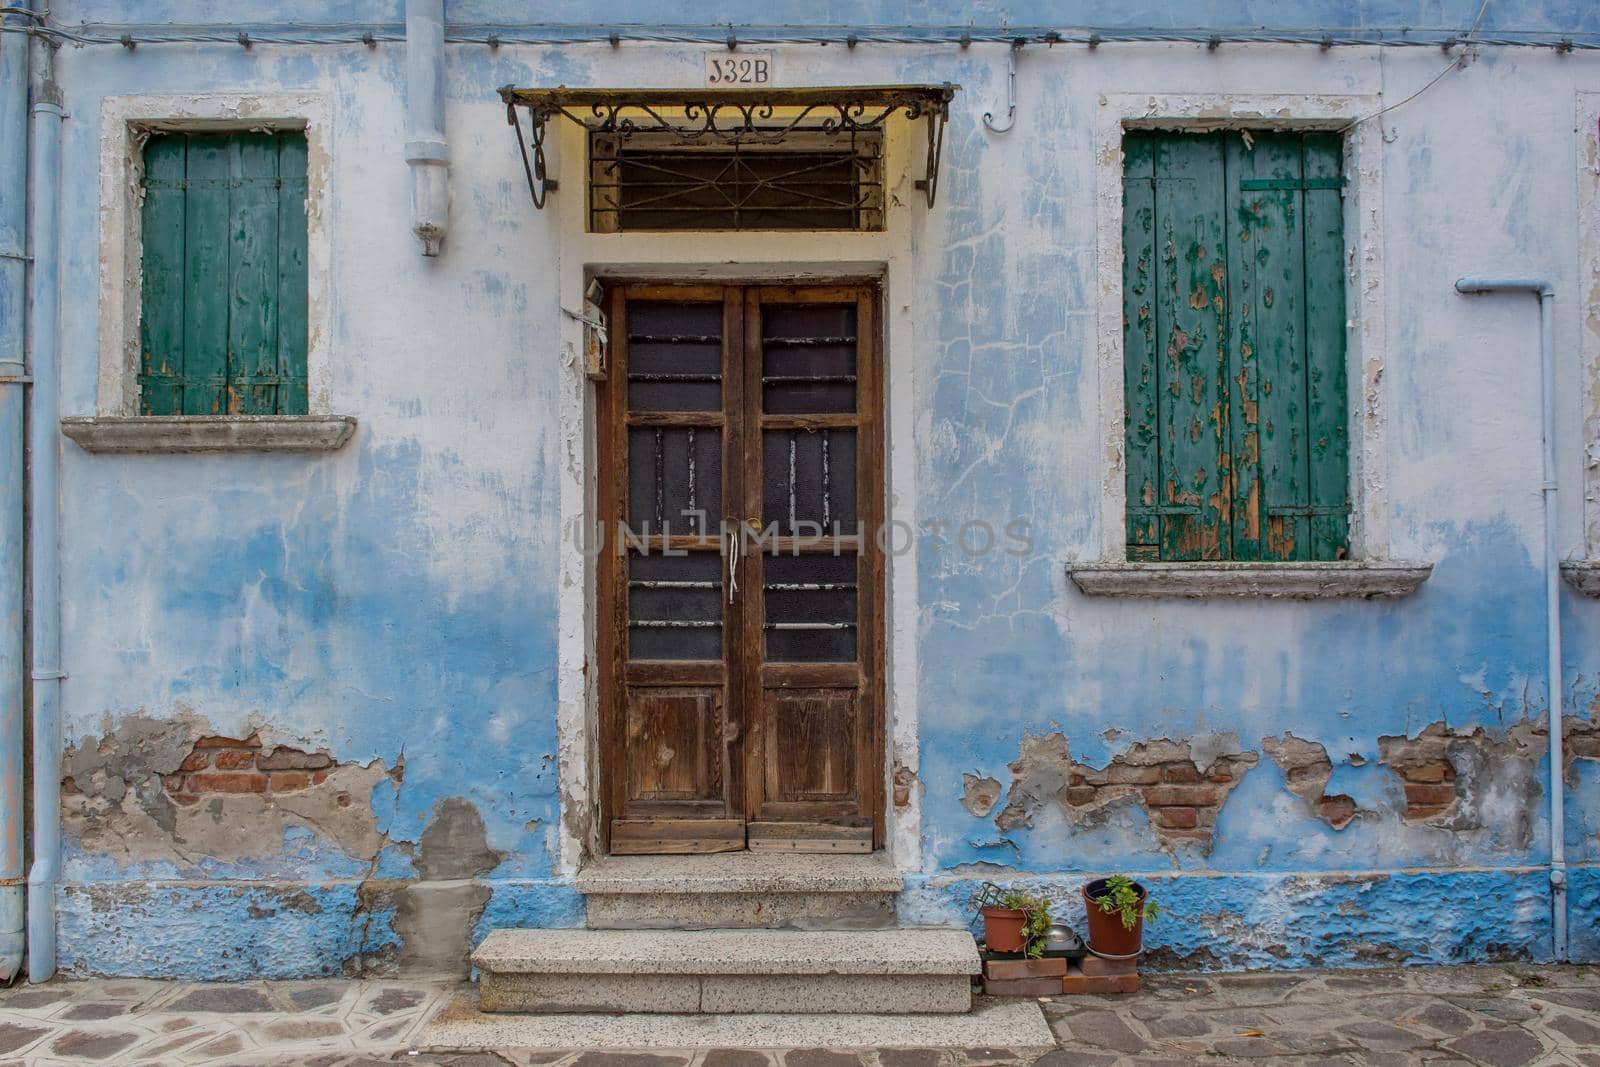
(742, 497)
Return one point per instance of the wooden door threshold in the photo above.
(657, 837)
(808, 837)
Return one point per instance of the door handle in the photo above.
(730, 731)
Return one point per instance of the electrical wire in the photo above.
(299, 33)
(1454, 64)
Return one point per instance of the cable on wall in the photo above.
(299, 33)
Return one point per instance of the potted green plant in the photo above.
(1012, 921)
(1118, 907)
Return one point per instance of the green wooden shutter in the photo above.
(1234, 347)
(293, 329)
(1139, 372)
(161, 350)
(1327, 388)
(223, 305)
(1175, 332)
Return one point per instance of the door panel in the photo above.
(667, 708)
(675, 746)
(740, 633)
(811, 744)
(815, 484)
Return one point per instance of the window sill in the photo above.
(1355, 579)
(1583, 575)
(171, 434)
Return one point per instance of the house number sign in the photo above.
(736, 70)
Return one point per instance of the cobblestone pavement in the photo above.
(1494, 1016)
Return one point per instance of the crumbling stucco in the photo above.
(1580, 741)
(1469, 780)
(151, 790)
(1307, 770)
(979, 794)
(1165, 777)
(170, 792)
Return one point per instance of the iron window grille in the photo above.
(805, 180)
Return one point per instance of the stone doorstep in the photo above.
(912, 951)
(740, 872)
(1010, 1024)
(720, 911)
(725, 994)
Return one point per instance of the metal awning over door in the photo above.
(730, 119)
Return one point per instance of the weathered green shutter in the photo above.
(161, 315)
(223, 306)
(1327, 389)
(1234, 347)
(1177, 324)
(293, 329)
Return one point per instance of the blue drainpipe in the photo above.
(13, 298)
(44, 439)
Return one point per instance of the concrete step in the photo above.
(740, 890)
(727, 971)
(1015, 1024)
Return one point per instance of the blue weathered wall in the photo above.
(395, 604)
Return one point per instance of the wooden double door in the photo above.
(741, 572)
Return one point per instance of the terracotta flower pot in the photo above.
(1107, 936)
(1003, 929)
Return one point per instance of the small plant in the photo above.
(1122, 899)
(1035, 914)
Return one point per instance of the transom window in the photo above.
(800, 180)
(1234, 346)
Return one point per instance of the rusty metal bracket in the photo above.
(727, 116)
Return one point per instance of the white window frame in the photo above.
(1588, 322)
(126, 122)
(1364, 287)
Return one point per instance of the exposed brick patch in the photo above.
(1182, 793)
(1307, 771)
(1580, 740)
(253, 741)
(1446, 774)
(230, 765)
(292, 759)
(1423, 765)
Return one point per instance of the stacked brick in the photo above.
(1054, 976)
(231, 765)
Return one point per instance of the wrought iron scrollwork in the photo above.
(727, 116)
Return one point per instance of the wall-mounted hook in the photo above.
(1011, 92)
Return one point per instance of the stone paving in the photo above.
(1488, 1016)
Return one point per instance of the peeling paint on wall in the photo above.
(979, 794)
(151, 791)
(1181, 785)
(1467, 779)
(1306, 767)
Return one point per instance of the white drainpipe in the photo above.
(13, 379)
(1546, 293)
(427, 152)
(44, 447)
